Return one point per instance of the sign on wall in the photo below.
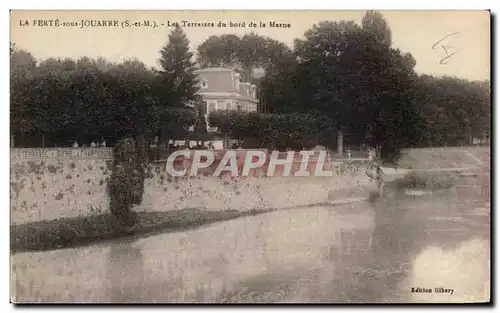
(60, 153)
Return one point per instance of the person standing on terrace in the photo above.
(376, 172)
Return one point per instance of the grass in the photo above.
(426, 180)
(73, 232)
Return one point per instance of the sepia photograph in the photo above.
(207, 157)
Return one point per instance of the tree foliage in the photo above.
(375, 24)
(454, 110)
(271, 131)
(63, 100)
(177, 85)
(178, 82)
(351, 77)
(246, 54)
(344, 72)
(126, 184)
(339, 76)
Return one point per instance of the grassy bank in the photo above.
(72, 232)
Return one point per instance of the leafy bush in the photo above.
(123, 186)
(427, 180)
(271, 131)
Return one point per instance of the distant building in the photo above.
(222, 89)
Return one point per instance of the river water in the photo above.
(368, 252)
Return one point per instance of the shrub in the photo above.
(122, 185)
(271, 131)
(427, 180)
(51, 168)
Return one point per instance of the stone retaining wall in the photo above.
(45, 188)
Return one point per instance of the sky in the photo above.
(416, 32)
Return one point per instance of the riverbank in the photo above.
(80, 231)
(72, 232)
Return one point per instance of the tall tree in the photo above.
(22, 70)
(22, 63)
(178, 84)
(246, 54)
(219, 51)
(350, 79)
(375, 24)
(279, 87)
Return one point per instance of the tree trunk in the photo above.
(162, 139)
(226, 142)
(340, 142)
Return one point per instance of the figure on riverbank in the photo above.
(375, 171)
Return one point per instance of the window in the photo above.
(204, 84)
(211, 107)
(238, 106)
(221, 105)
(228, 105)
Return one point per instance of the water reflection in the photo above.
(125, 273)
(370, 262)
(312, 259)
(457, 275)
(436, 242)
(352, 253)
(382, 265)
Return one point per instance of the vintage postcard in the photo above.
(250, 157)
